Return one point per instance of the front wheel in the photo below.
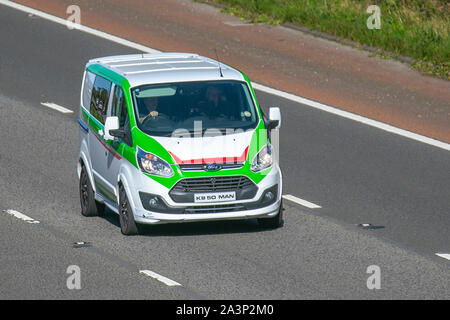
(89, 206)
(274, 222)
(127, 224)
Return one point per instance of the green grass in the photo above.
(415, 28)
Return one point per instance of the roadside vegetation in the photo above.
(418, 29)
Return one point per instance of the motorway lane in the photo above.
(310, 257)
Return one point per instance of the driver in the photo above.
(151, 104)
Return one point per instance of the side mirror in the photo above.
(111, 124)
(274, 118)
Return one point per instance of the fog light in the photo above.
(153, 203)
(269, 196)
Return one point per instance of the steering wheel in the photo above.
(149, 119)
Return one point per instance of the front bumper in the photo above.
(147, 217)
(174, 212)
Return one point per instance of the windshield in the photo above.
(164, 108)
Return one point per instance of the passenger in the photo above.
(214, 95)
(215, 103)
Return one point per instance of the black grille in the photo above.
(214, 209)
(211, 184)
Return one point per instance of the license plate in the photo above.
(215, 197)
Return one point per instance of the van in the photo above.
(175, 137)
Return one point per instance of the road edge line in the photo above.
(353, 116)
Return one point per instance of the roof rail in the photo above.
(168, 69)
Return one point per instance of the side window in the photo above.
(119, 109)
(87, 88)
(99, 100)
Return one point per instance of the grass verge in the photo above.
(414, 28)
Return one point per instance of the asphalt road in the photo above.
(357, 174)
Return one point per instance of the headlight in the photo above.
(263, 159)
(152, 164)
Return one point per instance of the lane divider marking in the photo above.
(301, 201)
(56, 107)
(20, 216)
(160, 278)
(444, 255)
(256, 86)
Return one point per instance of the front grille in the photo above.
(214, 209)
(211, 184)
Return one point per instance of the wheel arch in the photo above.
(124, 179)
(84, 162)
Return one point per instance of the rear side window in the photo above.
(99, 100)
(87, 88)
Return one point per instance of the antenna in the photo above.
(217, 58)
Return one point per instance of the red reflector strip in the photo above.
(220, 160)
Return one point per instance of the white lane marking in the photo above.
(444, 255)
(20, 216)
(79, 27)
(301, 201)
(56, 107)
(257, 86)
(353, 116)
(159, 277)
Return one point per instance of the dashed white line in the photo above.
(301, 201)
(160, 278)
(56, 107)
(20, 216)
(257, 86)
(444, 255)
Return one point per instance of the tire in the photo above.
(89, 206)
(128, 226)
(274, 222)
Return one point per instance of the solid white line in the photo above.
(79, 27)
(159, 277)
(301, 201)
(352, 116)
(56, 107)
(257, 86)
(21, 216)
(444, 255)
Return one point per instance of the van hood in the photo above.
(216, 149)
